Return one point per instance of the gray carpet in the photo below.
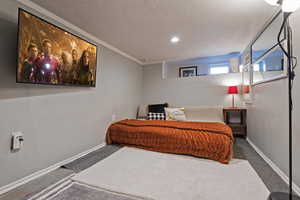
(78, 192)
(274, 183)
(92, 158)
(35, 186)
(145, 173)
(242, 150)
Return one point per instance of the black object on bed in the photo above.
(157, 108)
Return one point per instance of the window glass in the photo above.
(219, 70)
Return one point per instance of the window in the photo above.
(256, 67)
(219, 69)
(241, 68)
(259, 67)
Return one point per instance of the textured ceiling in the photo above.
(143, 28)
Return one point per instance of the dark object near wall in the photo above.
(157, 108)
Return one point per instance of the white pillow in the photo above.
(143, 112)
(175, 114)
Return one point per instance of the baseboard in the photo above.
(280, 173)
(42, 172)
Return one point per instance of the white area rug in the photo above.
(160, 176)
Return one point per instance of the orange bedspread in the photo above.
(202, 139)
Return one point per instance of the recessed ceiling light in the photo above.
(175, 39)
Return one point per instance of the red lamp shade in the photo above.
(232, 90)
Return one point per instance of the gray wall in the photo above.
(58, 122)
(268, 116)
(190, 91)
(173, 69)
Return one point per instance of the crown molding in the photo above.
(75, 28)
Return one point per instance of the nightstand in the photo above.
(236, 118)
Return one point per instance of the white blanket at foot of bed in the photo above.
(161, 176)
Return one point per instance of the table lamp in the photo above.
(232, 90)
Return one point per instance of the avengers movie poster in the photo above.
(49, 55)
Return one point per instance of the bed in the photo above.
(211, 140)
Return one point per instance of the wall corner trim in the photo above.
(51, 15)
(42, 172)
(280, 173)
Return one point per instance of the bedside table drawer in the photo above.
(238, 131)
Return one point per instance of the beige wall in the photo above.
(295, 23)
(173, 69)
(58, 122)
(268, 116)
(191, 91)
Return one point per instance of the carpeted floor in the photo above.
(144, 173)
(78, 192)
(38, 185)
(242, 150)
(271, 179)
(92, 158)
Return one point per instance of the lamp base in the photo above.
(282, 196)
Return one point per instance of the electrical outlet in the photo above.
(17, 141)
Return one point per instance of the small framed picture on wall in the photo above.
(188, 71)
